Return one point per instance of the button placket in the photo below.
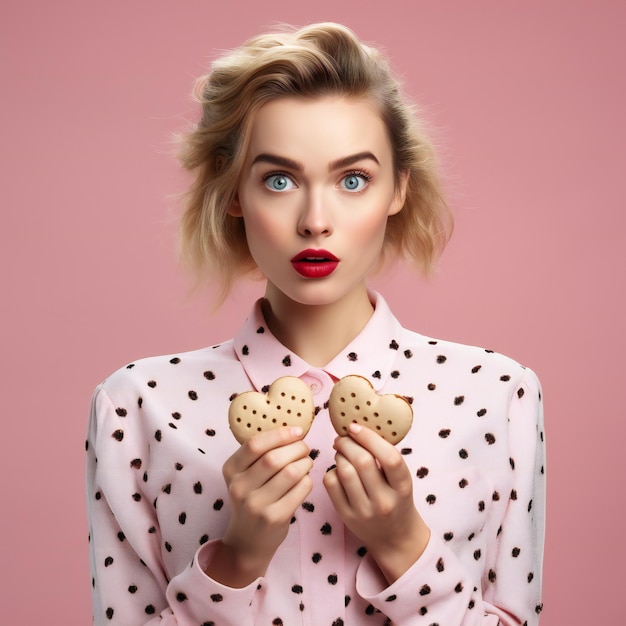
(317, 380)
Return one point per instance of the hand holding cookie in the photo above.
(288, 402)
(267, 480)
(353, 399)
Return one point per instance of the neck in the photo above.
(316, 333)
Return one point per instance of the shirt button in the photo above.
(316, 381)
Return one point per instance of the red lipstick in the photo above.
(312, 263)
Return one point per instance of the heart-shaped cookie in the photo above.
(353, 399)
(288, 402)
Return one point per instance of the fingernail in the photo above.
(296, 431)
(355, 428)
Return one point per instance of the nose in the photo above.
(315, 217)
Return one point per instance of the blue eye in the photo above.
(354, 182)
(278, 182)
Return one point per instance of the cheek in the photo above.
(262, 233)
(372, 227)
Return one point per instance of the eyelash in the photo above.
(362, 173)
(267, 176)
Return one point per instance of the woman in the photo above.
(310, 170)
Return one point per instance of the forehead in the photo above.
(328, 127)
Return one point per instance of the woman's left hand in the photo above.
(372, 490)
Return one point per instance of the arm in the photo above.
(508, 592)
(268, 479)
(122, 588)
(129, 576)
(372, 490)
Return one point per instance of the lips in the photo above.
(312, 263)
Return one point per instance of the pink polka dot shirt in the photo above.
(158, 436)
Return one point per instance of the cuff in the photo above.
(195, 598)
(435, 588)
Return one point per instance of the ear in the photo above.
(400, 193)
(235, 207)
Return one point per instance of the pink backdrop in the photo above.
(529, 99)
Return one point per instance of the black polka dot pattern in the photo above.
(158, 437)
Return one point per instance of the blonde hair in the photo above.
(317, 60)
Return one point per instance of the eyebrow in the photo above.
(280, 161)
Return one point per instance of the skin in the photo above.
(268, 479)
(319, 175)
(372, 490)
(316, 318)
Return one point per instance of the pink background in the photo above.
(529, 99)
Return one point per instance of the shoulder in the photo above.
(173, 370)
(475, 389)
(460, 362)
(153, 393)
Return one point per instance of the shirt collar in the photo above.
(370, 354)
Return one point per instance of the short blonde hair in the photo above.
(317, 60)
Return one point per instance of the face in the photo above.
(317, 188)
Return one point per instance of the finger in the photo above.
(265, 468)
(293, 498)
(388, 457)
(258, 445)
(281, 511)
(358, 471)
(355, 488)
(335, 491)
(282, 484)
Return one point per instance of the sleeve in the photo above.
(130, 586)
(438, 589)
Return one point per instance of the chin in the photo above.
(318, 292)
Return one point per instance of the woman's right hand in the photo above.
(267, 479)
